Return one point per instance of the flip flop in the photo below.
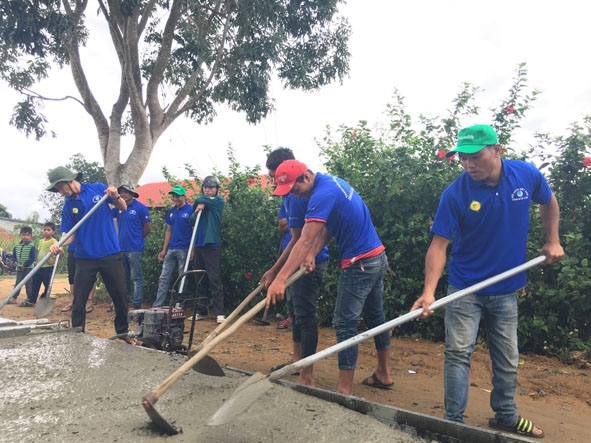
(522, 427)
(375, 382)
(89, 308)
(26, 304)
(67, 308)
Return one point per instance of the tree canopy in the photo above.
(176, 57)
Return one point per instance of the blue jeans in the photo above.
(360, 293)
(304, 297)
(173, 260)
(461, 330)
(132, 266)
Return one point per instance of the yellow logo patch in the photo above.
(475, 206)
(75, 210)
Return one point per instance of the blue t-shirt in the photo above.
(180, 223)
(336, 203)
(283, 214)
(489, 225)
(96, 237)
(296, 209)
(131, 226)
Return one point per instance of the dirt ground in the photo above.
(554, 395)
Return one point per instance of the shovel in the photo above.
(256, 385)
(150, 399)
(59, 243)
(191, 243)
(45, 304)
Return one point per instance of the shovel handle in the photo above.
(412, 315)
(153, 396)
(48, 255)
(53, 272)
(191, 243)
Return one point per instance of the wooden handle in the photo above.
(154, 395)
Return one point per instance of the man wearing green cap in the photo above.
(177, 239)
(97, 247)
(486, 213)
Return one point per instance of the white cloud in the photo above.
(426, 49)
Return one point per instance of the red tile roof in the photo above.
(155, 195)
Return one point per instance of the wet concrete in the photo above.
(70, 387)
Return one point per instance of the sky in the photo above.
(426, 49)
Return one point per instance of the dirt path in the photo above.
(556, 396)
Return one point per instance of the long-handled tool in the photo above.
(208, 365)
(191, 243)
(256, 385)
(150, 399)
(59, 243)
(45, 304)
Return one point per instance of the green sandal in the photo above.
(522, 427)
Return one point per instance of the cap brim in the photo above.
(77, 177)
(468, 149)
(283, 189)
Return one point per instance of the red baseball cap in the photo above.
(286, 175)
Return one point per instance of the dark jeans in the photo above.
(43, 275)
(134, 280)
(111, 270)
(304, 296)
(208, 259)
(360, 293)
(20, 276)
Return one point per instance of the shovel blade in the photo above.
(246, 394)
(209, 366)
(156, 418)
(44, 306)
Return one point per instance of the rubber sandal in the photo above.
(282, 365)
(522, 427)
(89, 308)
(111, 308)
(12, 301)
(26, 304)
(375, 382)
(66, 308)
(284, 324)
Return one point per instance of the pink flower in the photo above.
(400, 188)
(452, 158)
(441, 153)
(248, 275)
(250, 181)
(353, 135)
(510, 109)
(587, 162)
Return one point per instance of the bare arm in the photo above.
(167, 235)
(550, 215)
(434, 264)
(297, 256)
(147, 229)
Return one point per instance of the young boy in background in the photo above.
(43, 275)
(24, 254)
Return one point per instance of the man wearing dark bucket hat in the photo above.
(486, 213)
(335, 209)
(177, 239)
(133, 225)
(97, 247)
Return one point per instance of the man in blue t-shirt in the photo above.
(97, 247)
(133, 225)
(302, 296)
(177, 239)
(335, 209)
(486, 213)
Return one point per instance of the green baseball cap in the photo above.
(473, 139)
(178, 190)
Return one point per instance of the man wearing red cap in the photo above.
(335, 209)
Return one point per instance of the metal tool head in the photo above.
(148, 403)
(244, 396)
